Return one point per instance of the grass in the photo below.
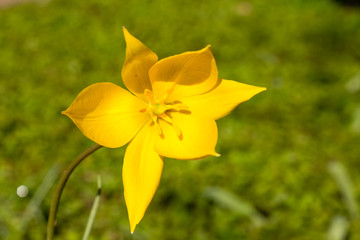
(276, 148)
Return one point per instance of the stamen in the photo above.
(177, 131)
(179, 107)
(161, 133)
(166, 118)
(149, 95)
(154, 118)
(175, 127)
(158, 109)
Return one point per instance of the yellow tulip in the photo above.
(170, 112)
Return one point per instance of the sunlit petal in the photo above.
(107, 114)
(189, 137)
(141, 173)
(139, 59)
(184, 75)
(222, 100)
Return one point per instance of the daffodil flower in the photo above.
(170, 111)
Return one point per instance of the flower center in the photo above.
(158, 110)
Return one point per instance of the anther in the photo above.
(179, 107)
(177, 131)
(149, 95)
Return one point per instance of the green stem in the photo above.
(60, 187)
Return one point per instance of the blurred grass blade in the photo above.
(342, 178)
(338, 228)
(234, 203)
(33, 207)
(93, 212)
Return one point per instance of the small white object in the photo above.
(22, 191)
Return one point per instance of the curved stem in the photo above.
(60, 187)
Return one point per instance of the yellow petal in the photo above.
(222, 100)
(184, 75)
(141, 173)
(139, 59)
(107, 114)
(191, 137)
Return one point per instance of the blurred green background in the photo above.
(290, 157)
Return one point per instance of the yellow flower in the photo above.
(170, 112)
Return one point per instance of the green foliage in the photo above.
(275, 149)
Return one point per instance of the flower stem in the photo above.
(60, 187)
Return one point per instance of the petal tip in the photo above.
(65, 113)
(215, 154)
(125, 31)
(132, 228)
(207, 48)
(261, 89)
